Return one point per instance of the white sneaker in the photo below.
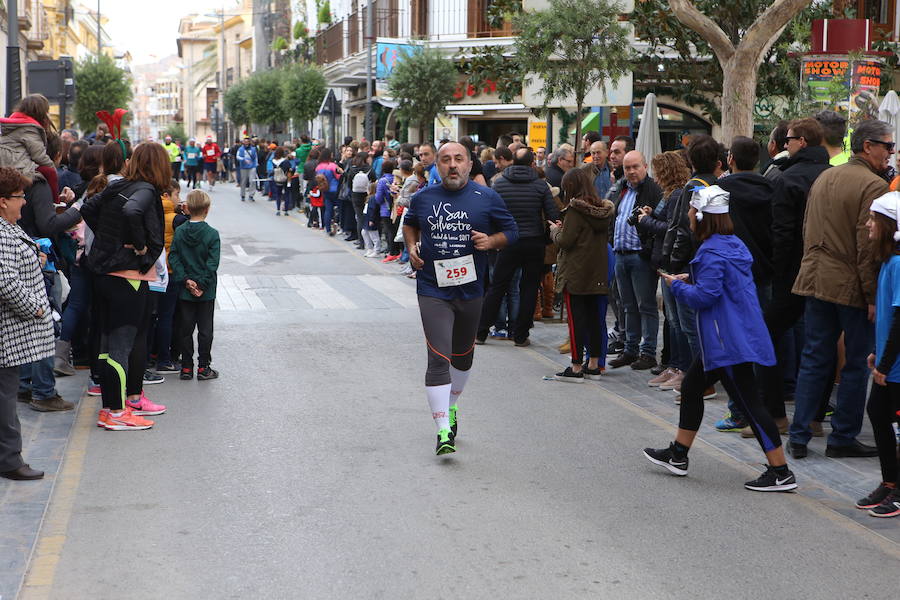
(370, 254)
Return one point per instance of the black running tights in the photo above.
(884, 402)
(740, 383)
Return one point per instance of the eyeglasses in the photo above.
(888, 145)
(788, 138)
(14, 196)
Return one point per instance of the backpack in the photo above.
(279, 175)
(360, 182)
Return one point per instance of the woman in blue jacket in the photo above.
(732, 334)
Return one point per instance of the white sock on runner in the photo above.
(439, 401)
(458, 381)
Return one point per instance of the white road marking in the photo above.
(392, 288)
(318, 293)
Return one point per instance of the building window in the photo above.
(419, 18)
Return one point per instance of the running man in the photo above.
(448, 230)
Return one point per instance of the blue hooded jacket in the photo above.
(729, 320)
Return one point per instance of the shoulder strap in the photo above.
(699, 180)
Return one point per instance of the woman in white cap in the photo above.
(884, 399)
(733, 336)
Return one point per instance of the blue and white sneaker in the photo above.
(729, 424)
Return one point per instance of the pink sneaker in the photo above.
(144, 407)
(94, 389)
(102, 416)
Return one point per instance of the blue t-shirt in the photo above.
(445, 220)
(887, 297)
(192, 156)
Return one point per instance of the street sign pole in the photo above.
(13, 61)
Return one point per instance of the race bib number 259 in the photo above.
(455, 271)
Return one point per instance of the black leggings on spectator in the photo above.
(122, 308)
(740, 383)
(583, 318)
(884, 402)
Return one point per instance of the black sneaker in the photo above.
(615, 347)
(168, 367)
(204, 373)
(889, 507)
(770, 481)
(644, 362)
(445, 443)
(186, 373)
(875, 498)
(658, 369)
(622, 360)
(151, 378)
(797, 450)
(665, 457)
(594, 374)
(570, 376)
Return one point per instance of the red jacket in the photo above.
(315, 197)
(214, 148)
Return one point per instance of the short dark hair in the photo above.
(503, 152)
(76, 150)
(745, 153)
(833, 125)
(504, 140)
(524, 157)
(712, 224)
(360, 159)
(592, 136)
(388, 166)
(809, 129)
(467, 142)
(779, 134)
(54, 145)
(629, 141)
(406, 166)
(703, 152)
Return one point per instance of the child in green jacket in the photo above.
(194, 258)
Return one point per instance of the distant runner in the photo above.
(448, 230)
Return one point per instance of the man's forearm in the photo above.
(498, 240)
(410, 236)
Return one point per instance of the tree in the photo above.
(264, 98)
(99, 85)
(302, 89)
(677, 62)
(423, 84)
(571, 46)
(235, 101)
(176, 132)
(739, 56)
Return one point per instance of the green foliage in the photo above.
(487, 64)
(99, 85)
(694, 76)
(279, 44)
(302, 89)
(571, 46)
(300, 30)
(235, 101)
(499, 11)
(176, 131)
(264, 98)
(324, 14)
(423, 84)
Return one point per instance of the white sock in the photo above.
(458, 381)
(439, 401)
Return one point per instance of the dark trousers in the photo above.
(584, 326)
(526, 254)
(348, 218)
(359, 208)
(191, 171)
(10, 430)
(123, 316)
(176, 170)
(781, 315)
(740, 383)
(166, 329)
(197, 315)
(884, 402)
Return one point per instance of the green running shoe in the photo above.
(453, 421)
(444, 442)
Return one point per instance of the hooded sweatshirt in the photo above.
(195, 255)
(729, 320)
(527, 198)
(750, 207)
(581, 266)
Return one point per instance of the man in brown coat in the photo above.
(838, 277)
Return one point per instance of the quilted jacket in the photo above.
(24, 337)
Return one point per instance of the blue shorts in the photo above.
(209, 166)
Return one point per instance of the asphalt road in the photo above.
(308, 470)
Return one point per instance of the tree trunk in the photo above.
(578, 155)
(738, 96)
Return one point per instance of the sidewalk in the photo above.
(835, 483)
(23, 503)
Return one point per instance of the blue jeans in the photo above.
(680, 355)
(278, 193)
(330, 203)
(165, 321)
(637, 281)
(38, 378)
(509, 306)
(78, 305)
(602, 307)
(825, 322)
